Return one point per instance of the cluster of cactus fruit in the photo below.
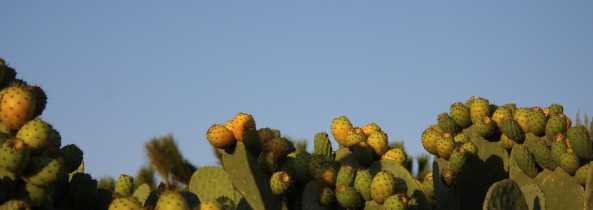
(508, 157)
(265, 171)
(485, 156)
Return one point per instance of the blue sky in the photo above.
(118, 73)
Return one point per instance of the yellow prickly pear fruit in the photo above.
(241, 123)
(370, 128)
(340, 128)
(17, 106)
(220, 137)
(379, 142)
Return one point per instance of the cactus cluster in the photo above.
(487, 155)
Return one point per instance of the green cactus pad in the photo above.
(322, 145)
(504, 195)
(247, 178)
(557, 186)
(210, 182)
(141, 193)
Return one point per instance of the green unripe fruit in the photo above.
(362, 183)
(520, 116)
(124, 185)
(555, 109)
(470, 148)
(428, 186)
(326, 196)
(322, 145)
(512, 130)
(36, 134)
(524, 160)
(541, 152)
(457, 160)
(580, 141)
(568, 161)
(445, 145)
(252, 142)
(429, 140)
(280, 182)
(460, 114)
(348, 197)
(382, 186)
(379, 142)
(42, 171)
(396, 202)
(315, 162)
(582, 174)
(536, 120)
(479, 108)
(447, 123)
(346, 176)
(171, 200)
(72, 156)
(14, 155)
(556, 124)
(485, 127)
(36, 195)
(461, 138)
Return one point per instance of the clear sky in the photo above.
(118, 73)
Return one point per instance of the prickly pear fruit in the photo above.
(15, 205)
(396, 202)
(280, 147)
(580, 141)
(378, 140)
(396, 154)
(461, 138)
(448, 177)
(225, 203)
(354, 137)
(382, 186)
(536, 120)
(555, 109)
(470, 148)
(124, 185)
(568, 161)
(485, 126)
(556, 124)
(266, 134)
(14, 155)
(582, 174)
(326, 174)
(171, 200)
(17, 106)
(280, 182)
(340, 127)
(520, 116)
(457, 159)
(524, 160)
(370, 128)
(447, 123)
(428, 186)
(36, 134)
(268, 162)
(346, 176)
(460, 114)
(506, 142)
(445, 145)
(322, 145)
(348, 197)
(210, 205)
(42, 171)
(363, 154)
(499, 114)
(242, 122)
(429, 139)
(362, 183)
(480, 108)
(125, 203)
(72, 156)
(36, 195)
(220, 137)
(252, 142)
(326, 196)
(512, 130)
